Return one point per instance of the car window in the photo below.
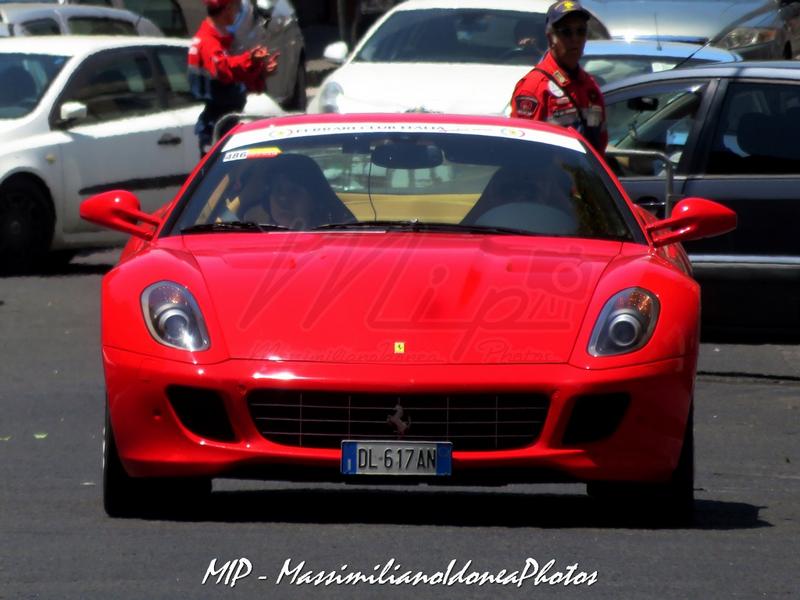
(100, 26)
(757, 131)
(117, 85)
(658, 120)
(25, 78)
(39, 27)
(483, 182)
(167, 14)
(607, 68)
(173, 63)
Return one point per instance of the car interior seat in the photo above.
(107, 93)
(302, 171)
(759, 135)
(528, 199)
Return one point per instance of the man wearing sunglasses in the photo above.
(558, 90)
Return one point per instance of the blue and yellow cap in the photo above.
(559, 10)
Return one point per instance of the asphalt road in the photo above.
(56, 542)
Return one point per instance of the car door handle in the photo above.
(169, 140)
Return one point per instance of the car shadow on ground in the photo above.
(452, 508)
(75, 269)
(61, 264)
(88, 262)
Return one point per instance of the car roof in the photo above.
(775, 69)
(659, 49)
(534, 6)
(75, 45)
(15, 11)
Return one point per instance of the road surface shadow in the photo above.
(86, 262)
(75, 269)
(450, 508)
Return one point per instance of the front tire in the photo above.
(126, 496)
(671, 502)
(26, 226)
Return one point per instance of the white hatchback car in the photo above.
(455, 56)
(84, 114)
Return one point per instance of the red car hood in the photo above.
(400, 297)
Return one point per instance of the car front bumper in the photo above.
(643, 444)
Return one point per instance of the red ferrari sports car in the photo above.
(401, 298)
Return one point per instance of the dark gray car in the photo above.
(732, 132)
(756, 29)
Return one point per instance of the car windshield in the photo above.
(25, 78)
(460, 35)
(100, 26)
(441, 179)
(441, 35)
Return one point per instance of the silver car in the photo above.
(63, 19)
(755, 29)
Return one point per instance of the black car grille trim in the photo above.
(474, 421)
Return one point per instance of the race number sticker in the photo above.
(235, 155)
(270, 152)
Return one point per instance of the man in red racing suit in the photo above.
(558, 90)
(220, 79)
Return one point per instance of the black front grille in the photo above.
(470, 421)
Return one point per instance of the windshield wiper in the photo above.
(233, 227)
(415, 225)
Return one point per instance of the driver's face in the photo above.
(290, 204)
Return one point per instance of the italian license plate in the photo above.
(396, 458)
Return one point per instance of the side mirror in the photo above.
(692, 219)
(336, 52)
(72, 111)
(119, 210)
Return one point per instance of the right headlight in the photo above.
(625, 324)
(173, 317)
(329, 97)
(742, 37)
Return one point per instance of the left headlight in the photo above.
(742, 37)
(173, 317)
(625, 324)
